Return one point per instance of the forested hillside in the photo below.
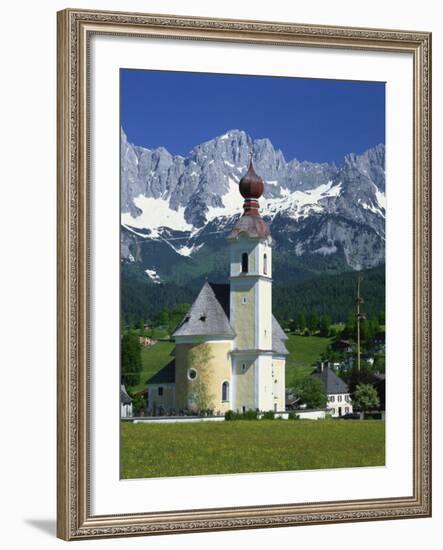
(333, 295)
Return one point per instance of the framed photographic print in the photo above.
(243, 274)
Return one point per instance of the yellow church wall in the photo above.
(212, 374)
(237, 250)
(264, 290)
(244, 315)
(251, 257)
(245, 385)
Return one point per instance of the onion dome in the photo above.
(251, 187)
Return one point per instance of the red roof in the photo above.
(253, 226)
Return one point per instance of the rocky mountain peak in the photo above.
(317, 208)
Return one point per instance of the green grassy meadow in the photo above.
(304, 352)
(204, 448)
(153, 359)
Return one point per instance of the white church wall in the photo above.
(265, 385)
(264, 267)
(279, 375)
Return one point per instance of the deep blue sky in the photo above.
(308, 119)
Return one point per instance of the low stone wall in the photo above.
(305, 414)
(169, 419)
(313, 414)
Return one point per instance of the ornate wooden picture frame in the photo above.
(75, 29)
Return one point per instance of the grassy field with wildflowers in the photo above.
(204, 448)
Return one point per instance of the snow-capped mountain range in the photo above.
(176, 209)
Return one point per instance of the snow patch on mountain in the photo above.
(132, 230)
(381, 199)
(326, 250)
(188, 250)
(152, 274)
(300, 204)
(372, 208)
(232, 203)
(156, 213)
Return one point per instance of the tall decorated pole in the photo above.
(360, 316)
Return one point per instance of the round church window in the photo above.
(192, 374)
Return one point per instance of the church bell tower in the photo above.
(251, 294)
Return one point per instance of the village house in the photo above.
(337, 392)
(229, 348)
(342, 345)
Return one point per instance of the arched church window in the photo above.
(244, 262)
(265, 264)
(225, 391)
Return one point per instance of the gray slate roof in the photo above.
(213, 304)
(331, 382)
(124, 397)
(278, 338)
(277, 330)
(205, 317)
(166, 375)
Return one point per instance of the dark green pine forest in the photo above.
(332, 295)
